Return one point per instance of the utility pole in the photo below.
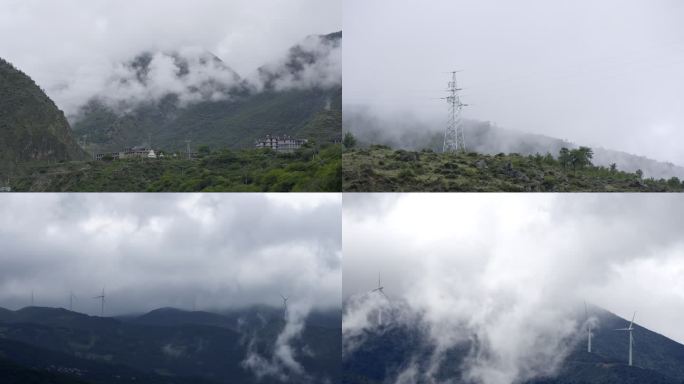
(187, 143)
(454, 140)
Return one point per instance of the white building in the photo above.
(281, 144)
(129, 153)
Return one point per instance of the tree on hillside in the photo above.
(349, 140)
(204, 150)
(581, 157)
(564, 157)
(674, 182)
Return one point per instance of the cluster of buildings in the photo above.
(281, 144)
(131, 153)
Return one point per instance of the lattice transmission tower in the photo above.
(454, 140)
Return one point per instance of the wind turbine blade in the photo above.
(586, 312)
(632, 322)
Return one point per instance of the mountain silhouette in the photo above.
(166, 345)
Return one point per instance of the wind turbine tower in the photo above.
(102, 301)
(630, 329)
(380, 290)
(454, 140)
(71, 300)
(589, 330)
(284, 307)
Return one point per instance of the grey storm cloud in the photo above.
(604, 74)
(215, 251)
(75, 49)
(512, 271)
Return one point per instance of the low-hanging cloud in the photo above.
(190, 75)
(282, 362)
(203, 251)
(564, 70)
(316, 62)
(506, 275)
(77, 50)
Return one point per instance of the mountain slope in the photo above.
(11, 373)
(170, 343)
(486, 138)
(381, 169)
(387, 351)
(233, 115)
(32, 128)
(48, 366)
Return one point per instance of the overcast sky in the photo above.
(599, 73)
(151, 251)
(61, 42)
(503, 254)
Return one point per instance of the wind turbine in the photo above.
(379, 290)
(589, 330)
(102, 299)
(631, 337)
(284, 306)
(71, 300)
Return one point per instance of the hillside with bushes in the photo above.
(381, 168)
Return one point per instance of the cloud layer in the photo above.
(511, 271)
(212, 251)
(72, 48)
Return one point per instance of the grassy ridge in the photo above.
(307, 170)
(381, 168)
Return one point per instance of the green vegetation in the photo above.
(380, 168)
(32, 128)
(309, 169)
(349, 140)
(235, 123)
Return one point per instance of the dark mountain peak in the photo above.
(51, 316)
(335, 36)
(169, 316)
